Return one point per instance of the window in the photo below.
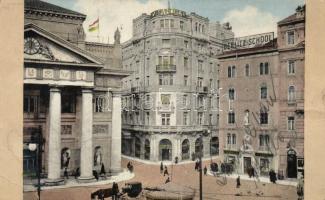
(165, 60)
(263, 92)
(185, 118)
(30, 104)
(162, 23)
(99, 104)
(231, 118)
(171, 23)
(200, 101)
(210, 119)
(166, 42)
(165, 119)
(68, 104)
(195, 26)
(181, 25)
(247, 70)
(200, 118)
(185, 100)
(229, 72)
(165, 79)
(211, 83)
(264, 140)
(199, 81)
(290, 37)
(263, 117)
(165, 99)
(185, 62)
(229, 139)
(147, 80)
(200, 65)
(185, 80)
(291, 67)
(233, 138)
(264, 68)
(231, 94)
(186, 43)
(291, 123)
(211, 67)
(264, 166)
(147, 118)
(291, 94)
(137, 65)
(233, 71)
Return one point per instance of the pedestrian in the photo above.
(166, 171)
(128, 165)
(205, 170)
(101, 195)
(300, 188)
(167, 180)
(176, 160)
(95, 174)
(131, 168)
(102, 170)
(222, 168)
(65, 173)
(77, 173)
(272, 175)
(161, 167)
(238, 182)
(115, 191)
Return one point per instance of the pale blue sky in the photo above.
(246, 16)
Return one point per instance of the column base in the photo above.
(115, 171)
(54, 182)
(86, 179)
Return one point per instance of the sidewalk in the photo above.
(165, 162)
(260, 179)
(123, 176)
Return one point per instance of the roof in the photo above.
(44, 6)
(270, 46)
(291, 18)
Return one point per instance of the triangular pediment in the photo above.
(43, 46)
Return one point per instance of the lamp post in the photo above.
(38, 148)
(200, 167)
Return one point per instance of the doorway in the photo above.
(247, 164)
(165, 149)
(291, 164)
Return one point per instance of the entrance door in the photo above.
(247, 164)
(165, 154)
(291, 164)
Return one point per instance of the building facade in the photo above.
(72, 98)
(262, 102)
(170, 99)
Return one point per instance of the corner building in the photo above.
(170, 99)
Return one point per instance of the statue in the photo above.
(65, 158)
(81, 33)
(246, 118)
(98, 157)
(117, 36)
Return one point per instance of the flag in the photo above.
(94, 26)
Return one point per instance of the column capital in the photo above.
(86, 90)
(116, 93)
(55, 89)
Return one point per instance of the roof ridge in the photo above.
(45, 6)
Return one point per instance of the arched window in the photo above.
(165, 149)
(229, 72)
(185, 149)
(291, 93)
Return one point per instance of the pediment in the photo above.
(43, 46)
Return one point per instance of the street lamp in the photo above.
(38, 148)
(200, 167)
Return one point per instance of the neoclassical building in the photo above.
(170, 99)
(72, 95)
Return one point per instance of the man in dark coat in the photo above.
(205, 170)
(115, 191)
(167, 180)
(166, 171)
(65, 173)
(161, 167)
(222, 167)
(238, 182)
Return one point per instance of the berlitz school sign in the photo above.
(250, 41)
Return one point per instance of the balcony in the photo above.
(135, 89)
(202, 89)
(166, 68)
(165, 107)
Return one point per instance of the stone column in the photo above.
(54, 154)
(86, 149)
(116, 134)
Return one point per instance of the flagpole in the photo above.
(98, 26)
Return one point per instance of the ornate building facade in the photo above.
(71, 95)
(263, 122)
(170, 99)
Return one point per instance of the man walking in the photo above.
(238, 182)
(205, 170)
(161, 167)
(166, 171)
(115, 191)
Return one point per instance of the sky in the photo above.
(247, 17)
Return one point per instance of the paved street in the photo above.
(184, 174)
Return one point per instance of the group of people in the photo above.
(272, 175)
(130, 167)
(164, 171)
